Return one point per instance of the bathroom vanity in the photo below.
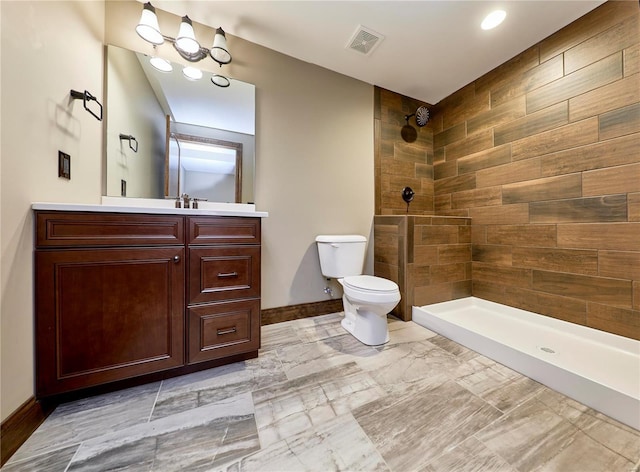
(122, 293)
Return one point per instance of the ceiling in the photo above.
(430, 48)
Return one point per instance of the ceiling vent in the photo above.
(364, 40)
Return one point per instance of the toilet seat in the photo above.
(370, 283)
(370, 289)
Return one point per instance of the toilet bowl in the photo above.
(367, 299)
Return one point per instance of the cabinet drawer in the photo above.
(222, 273)
(223, 230)
(67, 229)
(222, 329)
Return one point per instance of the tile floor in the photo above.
(318, 400)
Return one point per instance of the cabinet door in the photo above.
(222, 329)
(223, 273)
(107, 314)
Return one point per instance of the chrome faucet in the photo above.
(196, 200)
(185, 199)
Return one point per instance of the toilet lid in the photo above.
(370, 283)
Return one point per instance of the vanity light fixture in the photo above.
(185, 43)
(493, 19)
(148, 28)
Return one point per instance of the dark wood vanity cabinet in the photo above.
(119, 296)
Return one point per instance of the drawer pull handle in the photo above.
(227, 274)
(226, 331)
(176, 259)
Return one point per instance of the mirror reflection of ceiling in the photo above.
(196, 157)
(234, 108)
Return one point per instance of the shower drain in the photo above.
(547, 349)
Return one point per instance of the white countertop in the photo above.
(151, 206)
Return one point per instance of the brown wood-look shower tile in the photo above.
(614, 39)
(528, 80)
(533, 123)
(611, 208)
(614, 292)
(601, 100)
(620, 122)
(571, 85)
(577, 261)
(565, 137)
(617, 152)
(549, 188)
(508, 173)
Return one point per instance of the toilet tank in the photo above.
(341, 255)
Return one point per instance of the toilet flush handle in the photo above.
(335, 245)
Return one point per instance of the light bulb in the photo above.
(148, 27)
(219, 51)
(186, 40)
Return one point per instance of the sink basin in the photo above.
(156, 206)
(170, 203)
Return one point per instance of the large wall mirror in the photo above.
(167, 135)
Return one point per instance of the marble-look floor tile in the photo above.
(336, 445)
(529, 436)
(202, 388)
(80, 420)
(583, 454)
(406, 331)
(291, 407)
(421, 425)
(399, 365)
(500, 386)
(277, 335)
(616, 436)
(461, 352)
(56, 461)
(318, 328)
(195, 440)
(309, 358)
(469, 456)
(316, 399)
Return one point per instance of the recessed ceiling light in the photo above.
(192, 73)
(161, 64)
(493, 19)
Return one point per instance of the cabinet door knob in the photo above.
(176, 259)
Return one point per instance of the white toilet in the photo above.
(367, 299)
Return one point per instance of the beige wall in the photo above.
(314, 151)
(47, 49)
(133, 110)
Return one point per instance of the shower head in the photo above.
(421, 114)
